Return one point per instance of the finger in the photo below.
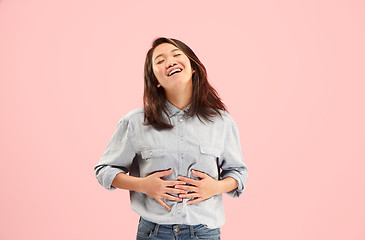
(189, 195)
(199, 174)
(194, 201)
(164, 173)
(187, 188)
(172, 198)
(160, 201)
(188, 180)
(176, 191)
(173, 183)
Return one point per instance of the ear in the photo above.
(158, 85)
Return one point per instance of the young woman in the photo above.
(182, 150)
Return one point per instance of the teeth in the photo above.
(173, 71)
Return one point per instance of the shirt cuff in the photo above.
(108, 177)
(237, 192)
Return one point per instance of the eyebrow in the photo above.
(173, 50)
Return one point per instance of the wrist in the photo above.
(227, 184)
(220, 187)
(140, 183)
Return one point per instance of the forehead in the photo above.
(163, 48)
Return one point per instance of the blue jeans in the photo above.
(153, 231)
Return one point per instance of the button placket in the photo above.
(179, 206)
(181, 136)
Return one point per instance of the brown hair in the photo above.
(205, 101)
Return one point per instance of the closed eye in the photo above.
(174, 56)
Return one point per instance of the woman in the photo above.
(182, 150)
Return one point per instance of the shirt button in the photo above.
(181, 120)
(177, 229)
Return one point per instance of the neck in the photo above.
(181, 99)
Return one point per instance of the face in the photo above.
(171, 67)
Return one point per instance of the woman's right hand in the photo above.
(158, 189)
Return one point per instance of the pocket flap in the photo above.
(153, 152)
(209, 150)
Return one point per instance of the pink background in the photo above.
(290, 72)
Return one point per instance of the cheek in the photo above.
(187, 63)
(158, 70)
(188, 67)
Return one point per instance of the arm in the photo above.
(227, 185)
(127, 182)
(118, 156)
(231, 161)
(152, 185)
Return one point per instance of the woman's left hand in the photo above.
(201, 190)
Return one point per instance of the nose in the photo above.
(171, 64)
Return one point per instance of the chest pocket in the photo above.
(153, 160)
(208, 160)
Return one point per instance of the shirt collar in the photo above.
(174, 110)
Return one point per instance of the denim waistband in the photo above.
(171, 228)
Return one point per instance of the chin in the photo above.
(180, 83)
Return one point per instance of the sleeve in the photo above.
(118, 156)
(232, 164)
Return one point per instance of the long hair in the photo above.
(205, 101)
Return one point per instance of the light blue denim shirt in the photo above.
(213, 148)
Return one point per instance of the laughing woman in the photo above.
(181, 150)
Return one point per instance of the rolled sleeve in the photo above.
(240, 184)
(118, 156)
(232, 163)
(106, 175)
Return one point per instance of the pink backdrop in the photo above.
(290, 72)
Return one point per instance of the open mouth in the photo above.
(178, 70)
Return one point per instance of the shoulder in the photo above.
(135, 115)
(229, 126)
(226, 118)
(130, 122)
